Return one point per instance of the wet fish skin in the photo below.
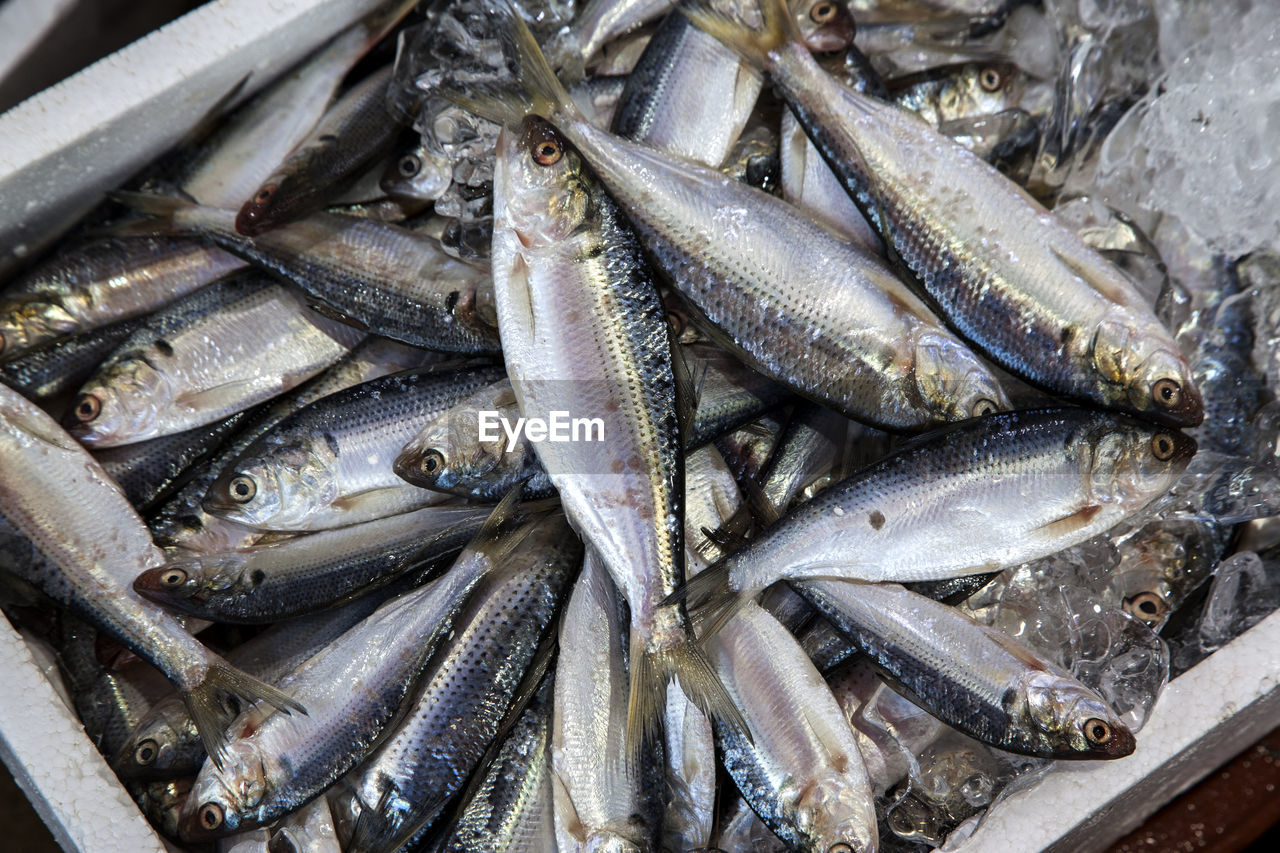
(971, 676)
(354, 688)
(871, 348)
(183, 523)
(1054, 477)
(601, 802)
(1007, 274)
(63, 365)
(86, 567)
(104, 282)
(465, 695)
(355, 133)
(263, 584)
(329, 464)
(371, 274)
(801, 771)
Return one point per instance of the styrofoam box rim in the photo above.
(126, 108)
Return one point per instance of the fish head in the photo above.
(262, 212)
(417, 174)
(181, 580)
(546, 198)
(431, 460)
(823, 25)
(280, 488)
(1150, 376)
(223, 802)
(27, 323)
(1130, 463)
(840, 816)
(156, 746)
(953, 382)
(162, 803)
(122, 402)
(1073, 721)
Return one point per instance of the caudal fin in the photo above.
(651, 671)
(209, 711)
(753, 45)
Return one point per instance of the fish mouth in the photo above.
(1184, 447)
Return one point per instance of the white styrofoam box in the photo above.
(63, 148)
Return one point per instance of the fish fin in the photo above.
(651, 671)
(325, 310)
(152, 204)
(752, 45)
(209, 713)
(370, 833)
(686, 392)
(1070, 523)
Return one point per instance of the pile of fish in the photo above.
(626, 427)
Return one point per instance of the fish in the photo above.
(1053, 477)
(282, 580)
(600, 800)
(355, 132)
(276, 763)
(801, 771)
(46, 477)
(367, 273)
(221, 350)
(973, 677)
(466, 693)
(61, 366)
(182, 521)
(1008, 275)
(600, 22)
(308, 830)
(104, 282)
(164, 743)
(329, 463)
(871, 348)
(417, 173)
(584, 333)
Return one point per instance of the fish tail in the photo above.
(651, 671)
(208, 711)
(753, 45)
(541, 91)
(163, 214)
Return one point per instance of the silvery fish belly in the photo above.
(220, 351)
(966, 499)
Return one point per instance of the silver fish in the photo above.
(45, 477)
(219, 351)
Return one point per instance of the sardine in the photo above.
(600, 22)
(354, 688)
(466, 694)
(219, 351)
(1014, 280)
(368, 273)
(774, 283)
(285, 579)
(329, 464)
(601, 801)
(104, 282)
(801, 770)
(46, 478)
(584, 333)
(1053, 477)
(973, 677)
(356, 131)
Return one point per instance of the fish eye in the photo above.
(840, 847)
(1166, 393)
(409, 165)
(242, 489)
(87, 408)
(984, 407)
(1146, 607)
(1162, 446)
(990, 79)
(264, 195)
(146, 752)
(821, 13)
(211, 816)
(173, 577)
(547, 152)
(1097, 731)
(432, 462)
